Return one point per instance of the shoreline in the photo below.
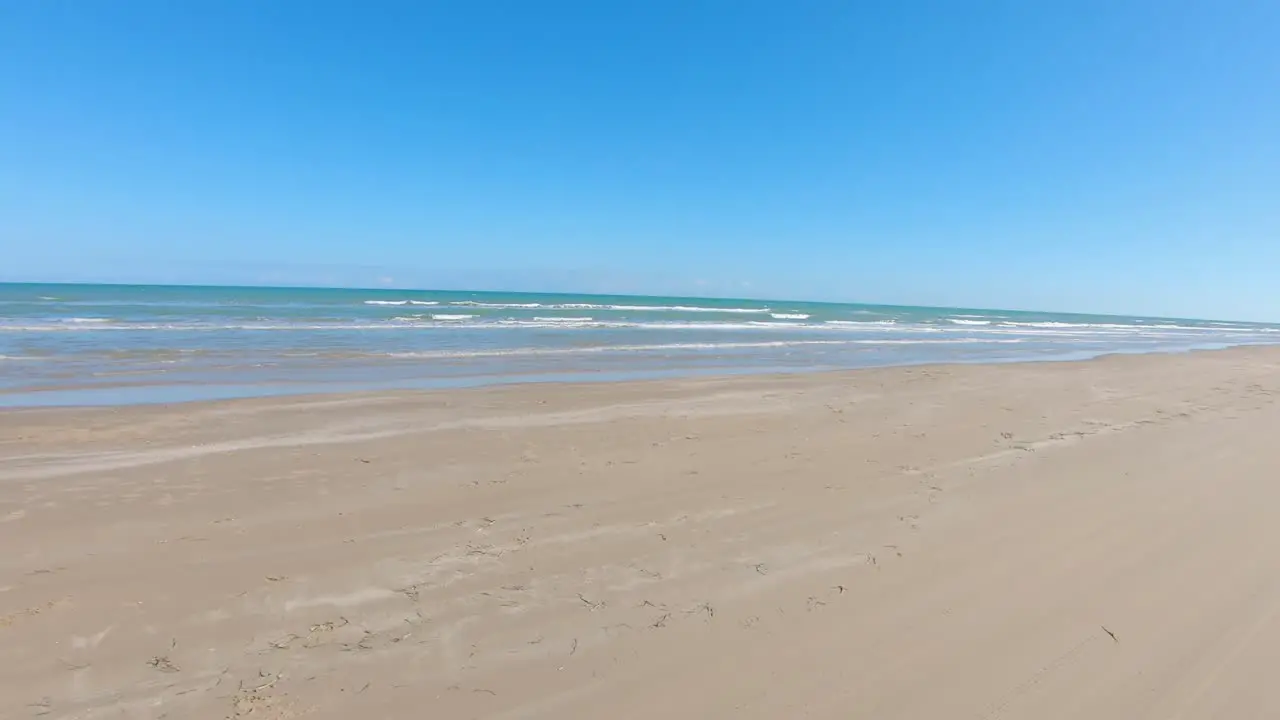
(591, 550)
(145, 394)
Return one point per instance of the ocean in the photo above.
(122, 344)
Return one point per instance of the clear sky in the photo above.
(1091, 155)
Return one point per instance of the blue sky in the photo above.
(1118, 156)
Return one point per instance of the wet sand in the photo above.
(1094, 539)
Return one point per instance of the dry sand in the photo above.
(1084, 540)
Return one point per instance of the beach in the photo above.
(1037, 540)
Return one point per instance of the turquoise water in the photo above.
(91, 344)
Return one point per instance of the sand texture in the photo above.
(1083, 540)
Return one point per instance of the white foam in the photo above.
(1043, 324)
(497, 306)
(688, 308)
(444, 316)
(1118, 326)
(563, 320)
(959, 321)
(621, 308)
(861, 323)
(660, 308)
(386, 302)
(788, 316)
(658, 347)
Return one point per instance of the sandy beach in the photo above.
(1072, 540)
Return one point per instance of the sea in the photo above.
(125, 344)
